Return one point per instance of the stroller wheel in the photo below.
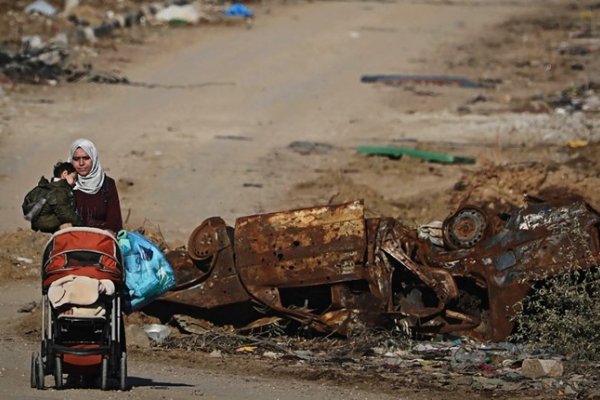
(33, 371)
(39, 372)
(58, 375)
(104, 377)
(123, 372)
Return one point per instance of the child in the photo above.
(52, 206)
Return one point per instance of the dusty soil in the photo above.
(183, 155)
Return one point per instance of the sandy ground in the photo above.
(217, 141)
(294, 76)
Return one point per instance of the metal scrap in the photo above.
(331, 269)
(438, 80)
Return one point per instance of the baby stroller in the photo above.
(82, 329)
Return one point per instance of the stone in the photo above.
(536, 368)
(136, 336)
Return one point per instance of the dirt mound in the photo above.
(576, 176)
(21, 254)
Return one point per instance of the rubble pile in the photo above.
(506, 184)
(552, 58)
(399, 362)
(37, 41)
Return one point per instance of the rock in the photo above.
(136, 336)
(463, 358)
(592, 104)
(534, 368)
(32, 42)
(271, 354)
(70, 5)
(215, 354)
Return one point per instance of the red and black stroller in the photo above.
(82, 330)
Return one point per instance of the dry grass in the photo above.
(561, 314)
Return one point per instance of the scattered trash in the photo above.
(157, 332)
(428, 80)
(238, 10)
(253, 185)
(25, 260)
(398, 152)
(40, 7)
(573, 99)
(233, 137)
(174, 13)
(577, 143)
(245, 349)
(306, 148)
(462, 359)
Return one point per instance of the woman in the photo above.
(96, 195)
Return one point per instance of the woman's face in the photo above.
(82, 162)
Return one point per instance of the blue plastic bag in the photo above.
(239, 10)
(148, 274)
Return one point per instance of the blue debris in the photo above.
(40, 7)
(239, 10)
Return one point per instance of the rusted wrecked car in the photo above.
(329, 266)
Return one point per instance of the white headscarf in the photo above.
(92, 183)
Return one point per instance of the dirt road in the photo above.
(294, 76)
(210, 139)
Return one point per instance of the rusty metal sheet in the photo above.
(537, 241)
(211, 280)
(301, 247)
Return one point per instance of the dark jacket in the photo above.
(59, 208)
(102, 209)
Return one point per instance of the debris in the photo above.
(136, 336)
(271, 354)
(428, 80)
(253, 185)
(69, 5)
(462, 359)
(575, 50)
(536, 368)
(215, 354)
(306, 147)
(40, 7)
(332, 269)
(35, 62)
(397, 152)
(25, 260)
(157, 332)
(186, 13)
(27, 308)
(233, 137)
(238, 10)
(432, 232)
(591, 104)
(577, 143)
(575, 98)
(189, 324)
(245, 349)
